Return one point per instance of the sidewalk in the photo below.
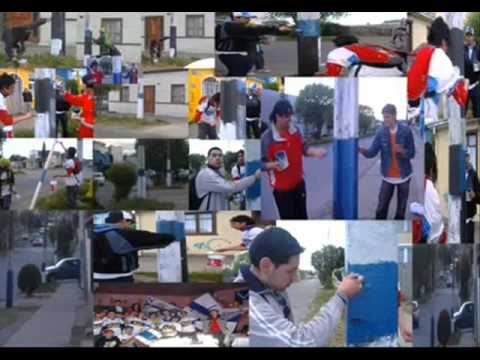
(51, 325)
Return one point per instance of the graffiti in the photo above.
(212, 244)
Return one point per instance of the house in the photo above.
(419, 26)
(131, 32)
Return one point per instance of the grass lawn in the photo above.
(49, 287)
(9, 317)
(323, 296)
(45, 61)
(166, 63)
(126, 121)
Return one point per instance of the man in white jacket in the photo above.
(213, 188)
(275, 257)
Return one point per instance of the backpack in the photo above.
(194, 202)
(78, 167)
(223, 42)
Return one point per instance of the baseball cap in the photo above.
(244, 14)
(276, 244)
(469, 31)
(117, 216)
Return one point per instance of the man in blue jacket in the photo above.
(395, 143)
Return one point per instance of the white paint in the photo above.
(346, 109)
(370, 242)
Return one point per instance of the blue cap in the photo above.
(276, 244)
(244, 14)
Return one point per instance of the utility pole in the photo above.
(456, 126)
(58, 33)
(88, 39)
(233, 105)
(45, 104)
(11, 249)
(169, 163)
(253, 163)
(372, 317)
(141, 182)
(308, 43)
(140, 96)
(345, 168)
(173, 36)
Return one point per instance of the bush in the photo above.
(29, 279)
(204, 277)
(123, 177)
(58, 201)
(141, 204)
(240, 260)
(444, 330)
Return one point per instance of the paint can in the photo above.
(216, 262)
(53, 186)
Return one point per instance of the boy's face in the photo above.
(215, 159)
(238, 226)
(111, 315)
(279, 278)
(389, 119)
(9, 90)
(283, 121)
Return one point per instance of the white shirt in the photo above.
(249, 235)
(72, 179)
(209, 113)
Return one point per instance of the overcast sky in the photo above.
(376, 92)
(293, 85)
(313, 235)
(372, 18)
(202, 146)
(23, 147)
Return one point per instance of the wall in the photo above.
(441, 151)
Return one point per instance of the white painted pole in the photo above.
(43, 178)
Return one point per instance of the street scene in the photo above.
(446, 295)
(171, 315)
(47, 174)
(144, 174)
(313, 105)
(44, 302)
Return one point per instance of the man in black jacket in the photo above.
(241, 37)
(472, 70)
(115, 247)
(62, 108)
(473, 199)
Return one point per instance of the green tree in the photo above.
(366, 118)
(196, 162)
(123, 177)
(325, 261)
(315, 105)
(473, 20)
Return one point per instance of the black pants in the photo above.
(237, 65)
(386, 193)
(206, 131)
(469, 232)
(253, 129)
(292, 204)
(6, 202)
(63, 120)
(474, 98)
(72, 192)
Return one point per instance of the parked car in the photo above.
(37, 242)
(464, 318)
(68, 268)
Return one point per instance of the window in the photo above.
(200, 223)
(113, 28)
(124, 94)
(195, 26)
(178, 94)
(210, 87)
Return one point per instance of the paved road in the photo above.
(319, 183)
(301, 295)
(177, 128)
(22, 256)
(25, 185)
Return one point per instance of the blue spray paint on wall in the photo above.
(172, 227)
(345, 186)
(371, 317)
(309, 28)
(254, 191)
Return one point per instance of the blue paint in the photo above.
(345, 179)
(172, 227)
(254, 192)
(374, 314)
(117, 78)
(9, 302)
(309, 28)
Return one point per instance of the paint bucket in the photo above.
(53, 186)
(216, 262)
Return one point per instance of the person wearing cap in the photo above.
(244, 37)
(283, 149)
(213, 188)
(7, 183)
(116, 245)
(394, 141)
(27, 99)
(472, 70)
(7, 88)
(246, 225)
(254, 111)
(275, 258)
(87, 103)
(72, 178)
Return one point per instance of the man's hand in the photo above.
(399, 150)
(274, 165)
(285, 29)
(318, 153)
(258, 174)
(407, 335)
(351, 286)
(362, 151)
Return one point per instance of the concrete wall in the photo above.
(441, 151)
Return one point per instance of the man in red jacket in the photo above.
(87, 103)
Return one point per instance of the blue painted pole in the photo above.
(9, 302)
(372, 318)
(345, 149)
(117, 69)
(169, 224)
(254, 163)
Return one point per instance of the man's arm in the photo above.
(266, 322)
(242, 31)
(240, 247)
(218, 184)
(144, 240)
(373, 150)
